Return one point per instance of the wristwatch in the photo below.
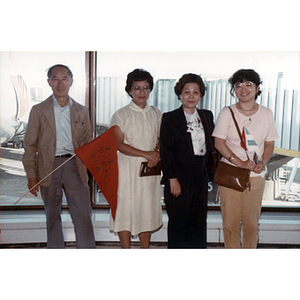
(264, 166)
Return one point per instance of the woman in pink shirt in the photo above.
(241, 210)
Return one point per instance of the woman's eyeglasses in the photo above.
(246, 84)
(138, 89)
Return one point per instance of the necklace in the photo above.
(247, 109)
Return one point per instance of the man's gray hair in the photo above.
(49, 73)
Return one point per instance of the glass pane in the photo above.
(280, 75)
(23, 83)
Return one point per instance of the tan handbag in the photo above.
(231, 176)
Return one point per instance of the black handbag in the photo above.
(231, 176)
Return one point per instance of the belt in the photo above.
(64, 155)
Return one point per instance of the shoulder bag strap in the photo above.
(238, 130)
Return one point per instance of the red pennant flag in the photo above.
(100, 157)
(244, 138)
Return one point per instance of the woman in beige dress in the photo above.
(137, 127)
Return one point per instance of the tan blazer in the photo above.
(40, 139)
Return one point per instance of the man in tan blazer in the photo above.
(56, 127)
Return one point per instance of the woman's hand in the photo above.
(247, 164)
(153, 158)
(175, 187)
(259, 167)
(220, 145)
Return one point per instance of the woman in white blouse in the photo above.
(185, 148)
(137, 133)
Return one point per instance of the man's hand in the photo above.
(31, 183)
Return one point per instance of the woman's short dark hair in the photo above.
(49, 73)
(189, 78)
(242, 75)
(138, 75)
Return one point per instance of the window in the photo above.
(23, 83)
(280, 75)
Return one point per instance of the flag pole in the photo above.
(45, 178)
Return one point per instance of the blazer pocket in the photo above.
(79, 125)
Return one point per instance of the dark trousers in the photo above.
(188, 212)
(68, 179)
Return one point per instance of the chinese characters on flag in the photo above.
(100, 157)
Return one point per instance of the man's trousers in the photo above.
(67, 179)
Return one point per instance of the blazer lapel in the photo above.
(182, 121)
(49, 113)
(74, 115)
(183, 128)
(206, 130)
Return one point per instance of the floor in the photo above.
(135, 245)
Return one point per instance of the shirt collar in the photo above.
(136, 107)
(193, 115)
(68, 105)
